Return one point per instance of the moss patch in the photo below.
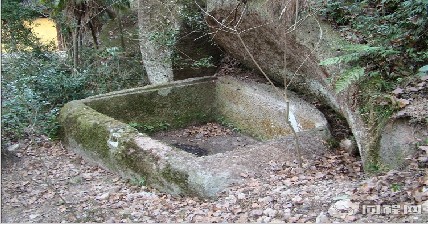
(171, 106)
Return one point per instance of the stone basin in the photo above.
(99, 129)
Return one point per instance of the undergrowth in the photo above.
(36, 85)
(390, 47)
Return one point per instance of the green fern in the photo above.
(340, 59)
(348, 77)
(356, 51)
(361, 48)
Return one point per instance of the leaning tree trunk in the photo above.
(75, 49)
(157, 22)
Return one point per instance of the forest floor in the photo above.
(45, 183)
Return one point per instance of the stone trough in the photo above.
(99, 129)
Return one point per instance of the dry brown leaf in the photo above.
(402, 102)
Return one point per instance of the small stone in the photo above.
(297, 199)
(349, 146)
(231, 198)
(413, 89)
(244, 175)
(103, 197)
(255, 205)
(265, 200)
(294, 179)
(243, 218)
(13, 147)
(270, 212)
(277, 221)
(256, 212)
(241, 196)
(421, 84)
(349, 219)
(293, 219)
(397, 91)
(286, 216)
(266, 219)
(279, 189)
(34, 216)
(111, 220)
(343, 208)
(87, 176)
(322, 218)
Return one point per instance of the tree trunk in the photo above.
(119, 21)
(156, 56)
(75, 49)
(94, 34)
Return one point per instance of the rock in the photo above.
(267, 219)
(244, 175)
(297, 199)
(286, 214)
(322, 218)
(398, 141)
(87, 176)
(265, 200)
(424, 148)
(243, 218)
(424, 206)
(256, 212)
(270, 212)
(13, 147)
(343, 208)
(349, 219)
(349, 146)
(276, 221)
(33, 216)
(232, 199)
(103, 196)
(241, 196)
(111, 220)
(265, 41)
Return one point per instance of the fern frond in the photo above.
(361, 48)
(348, 77)
(339, 59)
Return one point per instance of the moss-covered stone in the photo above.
(175, 106)
(97, 127)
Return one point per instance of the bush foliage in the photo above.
(393, 41)
(35, 86)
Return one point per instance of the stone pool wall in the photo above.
(97, 128)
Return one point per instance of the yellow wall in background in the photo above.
(44, 28)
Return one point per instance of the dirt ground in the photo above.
(205, 139)
(44, 183)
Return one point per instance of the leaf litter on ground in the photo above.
(51, 184)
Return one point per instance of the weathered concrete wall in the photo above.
(178, 103)
(257, 109)
(122, 149)
(89, 129)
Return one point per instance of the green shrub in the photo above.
(398, 28)
(35, 86)
(392, 48)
